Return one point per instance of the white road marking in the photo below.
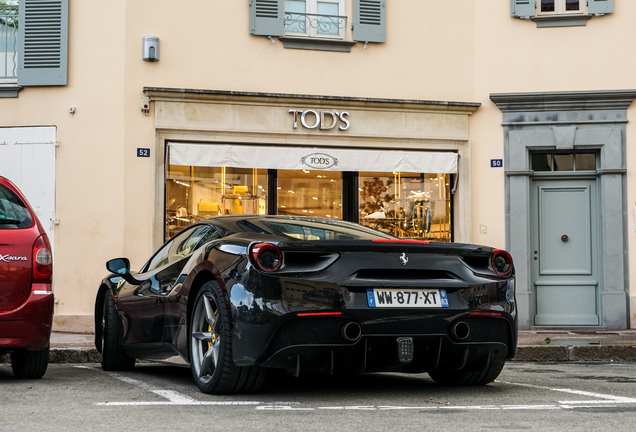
(606, 398)
(176, 398)
(173, 397)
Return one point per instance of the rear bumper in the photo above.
(29, 325)
(317, 346)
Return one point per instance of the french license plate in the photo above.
(403, 298)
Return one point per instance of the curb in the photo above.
(575, 353)
(525, 353)
(67, 355)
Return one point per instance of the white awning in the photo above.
(297, 158)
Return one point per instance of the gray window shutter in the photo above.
(267, 17)
(369, 21)
(600, 7)
(43, 42)
(523, 9)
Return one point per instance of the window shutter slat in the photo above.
(523, 9)
(600, 7)
(267, 18)
(369, 21)
(43, 42)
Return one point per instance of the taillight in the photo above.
(485, 313)
(266, 257)
(501, 262)
(42, 261)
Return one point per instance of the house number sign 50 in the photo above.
(326, 120)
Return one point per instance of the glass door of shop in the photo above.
(406, 204)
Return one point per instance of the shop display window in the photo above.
(310, 193)
(195, 193)
(404, 204)
(413, 205)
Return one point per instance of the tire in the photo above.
(210, 347)
(30, 364)
(113, 357)
(462, 378)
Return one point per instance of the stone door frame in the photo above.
(573, 122)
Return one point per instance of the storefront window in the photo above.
(413, 205)
(404, 204)
(195, 193)
(310, 193)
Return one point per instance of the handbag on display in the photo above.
(208, 208)
(240, 190)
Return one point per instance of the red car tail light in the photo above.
(42, 261)
(485, 313)
(319, 314)
(266, 257)
(501, 262)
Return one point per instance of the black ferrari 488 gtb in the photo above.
(232, 297)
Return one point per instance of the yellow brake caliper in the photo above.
(213, 338)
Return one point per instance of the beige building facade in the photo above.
(452, 121)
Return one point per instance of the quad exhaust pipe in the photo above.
(461, 330)
(351, 331)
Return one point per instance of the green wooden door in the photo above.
(565, 252)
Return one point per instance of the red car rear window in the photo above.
(14, 214)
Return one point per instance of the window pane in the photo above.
(195, 193)
(572, 5)
(542, 162)
(414, 205)
(310, 193)
(547, 5)
(586, 162)
(14, 213)
(327, 25)
(295, 23)
(564, 162)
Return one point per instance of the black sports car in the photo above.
(234, 296)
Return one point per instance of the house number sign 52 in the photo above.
(326, 120)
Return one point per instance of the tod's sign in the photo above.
(326, 120)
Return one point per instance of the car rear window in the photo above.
(321, 230)
(14, 213)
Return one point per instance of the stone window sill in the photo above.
(316, 44)
(9, 90)
(561, 20)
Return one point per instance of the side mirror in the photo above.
(121, 266)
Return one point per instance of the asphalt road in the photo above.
(527, 396)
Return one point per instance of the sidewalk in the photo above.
(576, 345)
(533, 346)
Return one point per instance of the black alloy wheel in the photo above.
(213, 369)
(29, 364)
(113, 357)
(468, 378)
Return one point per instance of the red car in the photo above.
(26, 296)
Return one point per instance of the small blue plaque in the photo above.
(496, 163)
(143, 152)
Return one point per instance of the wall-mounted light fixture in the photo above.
(151, 48)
